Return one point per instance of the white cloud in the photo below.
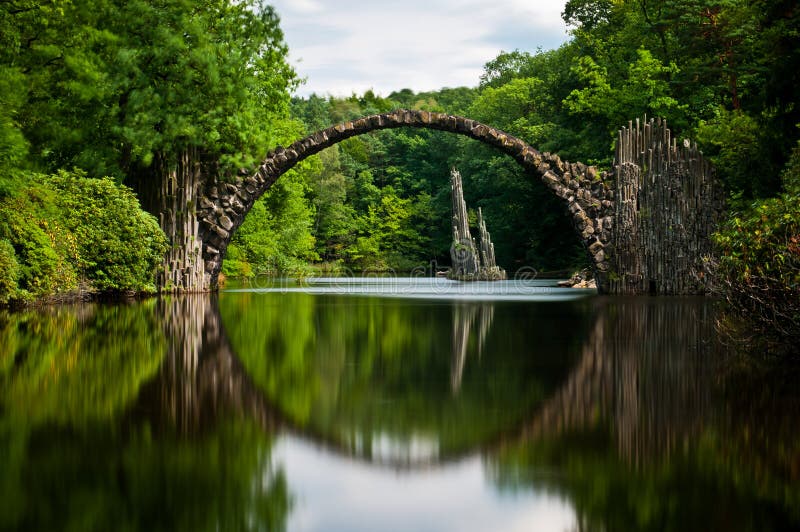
(350, 45)
(304, 6)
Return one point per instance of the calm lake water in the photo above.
(391, 404)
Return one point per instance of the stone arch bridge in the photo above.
(645, 224)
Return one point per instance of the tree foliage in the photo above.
(117, 246)
(111, 84)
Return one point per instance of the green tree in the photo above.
(706, 59)
(644, 90)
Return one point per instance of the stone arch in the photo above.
(586, 196)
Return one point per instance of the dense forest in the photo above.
(127, 90)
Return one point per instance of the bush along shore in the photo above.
(757, 270)
(65, 237)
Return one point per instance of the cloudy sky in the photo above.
(346, 46)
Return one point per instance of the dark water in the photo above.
(391, 405)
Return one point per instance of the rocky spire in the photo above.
(463, 252)
(469, 264)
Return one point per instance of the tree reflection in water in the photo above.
(157, 415)
(94, 437)
(657, 429)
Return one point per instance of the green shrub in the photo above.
(66, 227)
(42, 246)
(236, 263)
(759, 269)
(118, 245)
(9, 271)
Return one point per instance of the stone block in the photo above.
(206, 204)
(225, 222)
(215, 239)
(550, 179)
(219, 231)
(480, 131)
(516, 146)
(237, 206)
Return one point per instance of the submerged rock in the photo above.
(581, 279)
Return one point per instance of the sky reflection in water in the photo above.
(339, 494)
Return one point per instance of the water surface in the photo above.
(391, 404)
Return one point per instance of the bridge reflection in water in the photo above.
(622, 408)
(648, 403)
(644, 367)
